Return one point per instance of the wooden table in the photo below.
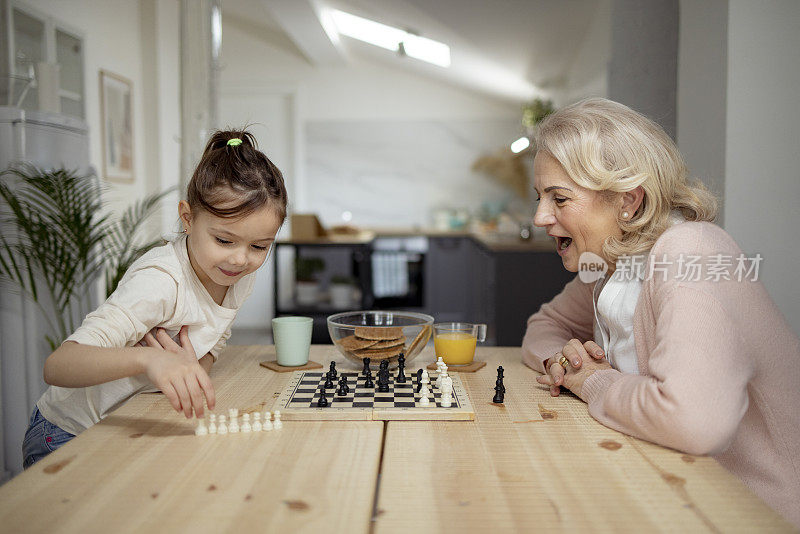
(535, 463)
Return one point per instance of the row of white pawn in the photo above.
(221, 426)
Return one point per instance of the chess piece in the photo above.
(401, 375)
(383, 377)
(212, 423)
(368, 383)
(343, 389)
(447, 384)
(447, 392)
(328, 381)
(266, 424)
(257, 422)
(499, 387)
(499, 392)
(246, 423)
(423, 395)
(366, 372)
(322, 402)
(278, 424)
(201, 429)
(425, 379)
(233, 425)
(222, 428)
(419, 379)
(332, 371)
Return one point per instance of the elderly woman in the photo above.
(677, 342)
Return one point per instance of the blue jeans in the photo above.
(41, 438)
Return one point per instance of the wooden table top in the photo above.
(536, 462)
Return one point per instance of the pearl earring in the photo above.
(625, 214)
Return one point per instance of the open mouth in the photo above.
(563, 243)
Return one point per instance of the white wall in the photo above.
(762, 182)
(117, 35)
(702, 90)
(367, 97)
(588, 73)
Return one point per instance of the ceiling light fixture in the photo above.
(391, 38)
(520, 144)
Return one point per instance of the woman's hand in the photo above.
(576, 353)
(175, 370)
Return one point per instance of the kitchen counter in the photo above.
(491, 241)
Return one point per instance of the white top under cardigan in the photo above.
(159, 290)
(615, 300)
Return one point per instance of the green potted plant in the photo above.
(341, 291)
(306, 283)
(56, 241)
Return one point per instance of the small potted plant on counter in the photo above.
(307, 286)
(341, 290)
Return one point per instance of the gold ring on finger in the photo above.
(563, 361)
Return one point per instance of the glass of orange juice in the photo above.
(455, 342)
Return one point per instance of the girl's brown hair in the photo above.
(238, 176)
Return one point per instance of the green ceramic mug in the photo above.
(292, 336)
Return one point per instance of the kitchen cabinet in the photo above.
(461, 278)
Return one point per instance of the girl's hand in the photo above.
(576, 353)
(174, 369)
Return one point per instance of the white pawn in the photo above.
(212, 423)
(257, 422)
(278, 423)
(423, 399)
(447, 400)
(426, 379)
(233, 425)
(267, 422)
(222, 428)
(246, 423)
(201, 429)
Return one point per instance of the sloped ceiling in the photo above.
(512, 49)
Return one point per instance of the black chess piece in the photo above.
(323, 400)
(499, 381)
(401, 375)
(342, 391)
(499, 392)
(333, 372)
(419, 380)
(328, 382)
(368, 383)
(383, 377)
(366, 372)
(345, 385)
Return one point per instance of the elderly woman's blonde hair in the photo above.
(606, 146)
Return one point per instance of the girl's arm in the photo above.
(172, 368)
(74, 365)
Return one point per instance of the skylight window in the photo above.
(393, 39)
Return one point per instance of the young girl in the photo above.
(189, 290)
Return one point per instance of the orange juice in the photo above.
(455, 348)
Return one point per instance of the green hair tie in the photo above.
(234, 142)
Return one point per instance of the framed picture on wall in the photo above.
(116, 117)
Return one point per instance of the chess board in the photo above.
(298, 400)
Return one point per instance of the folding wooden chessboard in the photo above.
(298, 400)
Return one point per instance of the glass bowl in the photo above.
(380, 335)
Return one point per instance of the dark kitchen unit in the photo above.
(455, 277)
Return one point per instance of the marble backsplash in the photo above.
(396, 173)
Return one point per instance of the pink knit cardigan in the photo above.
(719, 366)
